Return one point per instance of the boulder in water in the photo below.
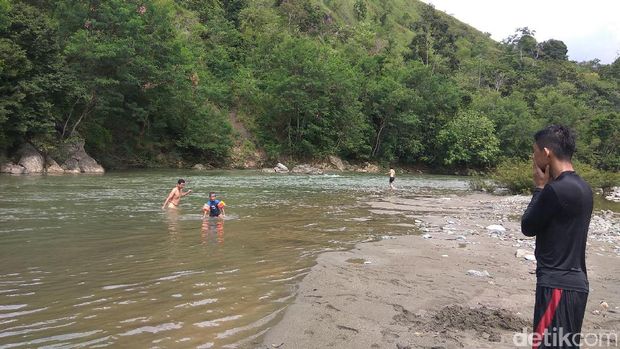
(79, 161)
(280, 168)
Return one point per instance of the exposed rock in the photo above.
(268, 170)
(31, 159)
(71, 166)
(614, 195)
(89, 165)
(368, 168)
(79, 161)
(199, 167)
(280, 168)
(12, 168)
(306, 169)
(521, 253)
(52, 166)
(337, 162)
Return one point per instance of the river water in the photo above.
(93, 261)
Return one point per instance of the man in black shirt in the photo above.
(559, 216)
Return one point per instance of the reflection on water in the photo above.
(94, 262)
(172, 219)
(212, 229)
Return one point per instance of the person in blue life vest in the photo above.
(213, 207)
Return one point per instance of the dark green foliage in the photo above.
(151, 83)
(552, 49)
(31, 75)
(360, 9)
(469, 140)
(310, 107)
(514, 175)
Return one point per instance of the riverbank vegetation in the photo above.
(156, 83)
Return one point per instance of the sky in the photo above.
(590, 29)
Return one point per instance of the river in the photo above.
(93, 261)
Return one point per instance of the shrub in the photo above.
(515, 175)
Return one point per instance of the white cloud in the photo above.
(590, 29)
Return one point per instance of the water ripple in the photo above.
(154, 329)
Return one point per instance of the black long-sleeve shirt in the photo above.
(559, 216)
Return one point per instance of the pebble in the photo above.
(495, 228)
(521, 253)
(478, 273)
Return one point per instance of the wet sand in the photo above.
(457, 284)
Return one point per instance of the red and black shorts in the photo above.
(558, 315)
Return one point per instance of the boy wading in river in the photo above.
(559, 216)
(392, 175)
(213, 207)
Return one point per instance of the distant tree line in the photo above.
(152, 82)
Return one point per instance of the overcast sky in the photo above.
(590, 29)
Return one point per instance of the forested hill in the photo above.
(161, 83)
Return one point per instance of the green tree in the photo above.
(311, 106)
(434, 43)
(558, 107)
(31, 75)
(469, 140)
(523, 41)
(390, 107)
(514, 124)
(360, 9)
(142, 82)
(601, 141)
(552, 49)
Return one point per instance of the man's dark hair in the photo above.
(211, 194)
(559, 139)
(180, 181)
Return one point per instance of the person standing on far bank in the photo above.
(558, 216)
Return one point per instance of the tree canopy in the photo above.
(156, 83)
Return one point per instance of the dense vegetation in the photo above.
(155, 82)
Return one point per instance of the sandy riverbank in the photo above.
(422, 291)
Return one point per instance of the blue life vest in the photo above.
(214, 210)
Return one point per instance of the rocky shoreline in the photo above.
(463, 280)
(331, 164)
(33, 161)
